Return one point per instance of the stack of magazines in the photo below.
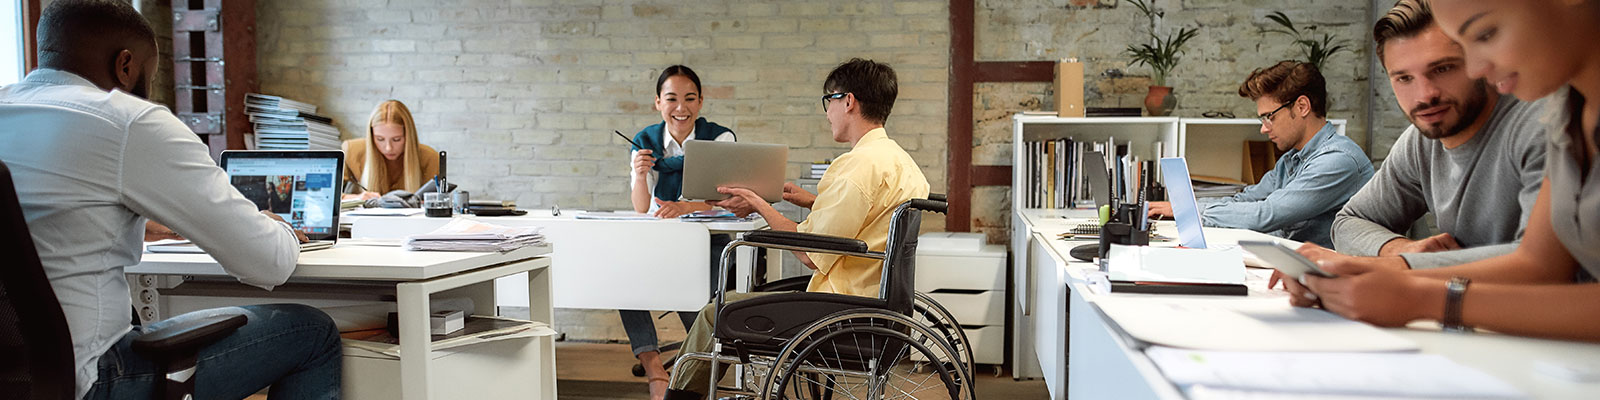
(468, 235)
(283, 124)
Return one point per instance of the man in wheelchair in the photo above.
(854, 209)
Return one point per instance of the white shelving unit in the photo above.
(1211, 146)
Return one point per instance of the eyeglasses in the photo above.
(1217, 114)
(831, 96)
(1266, 119)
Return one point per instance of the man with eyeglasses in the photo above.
(856, 199)
(1320, 170)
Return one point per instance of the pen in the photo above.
(630, 141)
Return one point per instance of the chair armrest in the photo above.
(807, 240)
(183, 339)
(790, 284)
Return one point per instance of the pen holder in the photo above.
(1121, 233)
(435, 204)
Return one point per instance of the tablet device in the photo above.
(1283, 259)
(708, 165)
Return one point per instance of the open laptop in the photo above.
(300, 186)
(755, 166)
(1185, 210)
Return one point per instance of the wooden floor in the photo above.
(595, 371)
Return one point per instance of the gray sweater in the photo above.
(1480, 192)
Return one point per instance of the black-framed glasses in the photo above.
(1217, 114)
(1266, 119)
(831, 96)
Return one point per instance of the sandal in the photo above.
(665, 383)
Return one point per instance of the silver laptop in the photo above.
(755, 166)
(1180, 192)
(300, 186)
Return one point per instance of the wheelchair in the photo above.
(899, 345)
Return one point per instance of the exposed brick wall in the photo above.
(524, 94)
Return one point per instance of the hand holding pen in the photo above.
(643, 161)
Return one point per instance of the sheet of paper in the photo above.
(1243, 324)
(1171, 264)
(1225, 373)
(616, 216)
(383, 212)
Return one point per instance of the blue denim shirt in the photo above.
(1298, 198)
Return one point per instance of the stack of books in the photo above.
(817, 169)
(283, 124)
(1055, 171)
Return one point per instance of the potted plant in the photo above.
(1161, 54)
(1315, 50)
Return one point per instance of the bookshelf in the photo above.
(1212, 147)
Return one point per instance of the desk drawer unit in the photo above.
(968, 277)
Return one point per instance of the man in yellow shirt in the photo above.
(856, 198)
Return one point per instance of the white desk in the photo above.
(512, 368)
(1101, 361)
(616, 265)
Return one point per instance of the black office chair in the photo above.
(38, 361)
(818, 345)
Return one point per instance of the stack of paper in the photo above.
(616, 216)
(1235, 374)
(468, 235)
(283, 124)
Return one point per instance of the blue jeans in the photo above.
(292, 348)
(642, 329)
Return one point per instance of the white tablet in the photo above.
(1283, 259)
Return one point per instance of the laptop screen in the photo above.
(1180, 191)
(298, 186)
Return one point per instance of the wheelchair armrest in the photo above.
(807, 240)
(181, 340)
(790, 284)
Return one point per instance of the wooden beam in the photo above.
(991, 175)
(958, 218)
(1015, 71)
(30, 35)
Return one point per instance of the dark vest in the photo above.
(669, 171)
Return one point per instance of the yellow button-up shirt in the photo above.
(856, 198)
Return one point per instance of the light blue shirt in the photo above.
(1298, 198)
(89, 167)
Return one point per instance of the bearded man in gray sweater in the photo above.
(1472, 157)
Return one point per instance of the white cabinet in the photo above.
(967, 277)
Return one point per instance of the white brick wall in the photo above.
(525, 94)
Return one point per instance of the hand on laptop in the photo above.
(297, 233)
(1160, 209)
(740, 201)
(796, 195)
(154, 231)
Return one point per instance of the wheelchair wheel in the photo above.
(867, 354)
(928, 311)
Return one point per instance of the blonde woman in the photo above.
(390, 157)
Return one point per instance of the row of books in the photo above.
(284, 124)
(1056, 172)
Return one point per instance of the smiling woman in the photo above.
(390, 157)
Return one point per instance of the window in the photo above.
(11, 45)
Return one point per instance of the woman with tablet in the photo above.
(1531, 49)
(656, 179)
(389, 157)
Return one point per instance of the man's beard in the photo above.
(1470, 110)
(141, 89)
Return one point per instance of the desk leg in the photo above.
(540, 309)
(415, 341)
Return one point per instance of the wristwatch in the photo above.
(1455, 290)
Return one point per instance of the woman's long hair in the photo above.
(374, 172)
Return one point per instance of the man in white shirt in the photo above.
(92, 160)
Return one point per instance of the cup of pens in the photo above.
(436, 204)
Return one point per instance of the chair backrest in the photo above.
(900, 255)
(33, 331)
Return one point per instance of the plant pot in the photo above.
(1160, 101)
